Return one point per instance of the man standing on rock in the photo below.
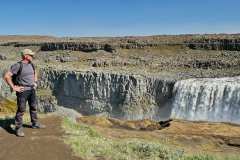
(22, 79)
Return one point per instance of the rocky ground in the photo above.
(181, 56)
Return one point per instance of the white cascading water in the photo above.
(207, 99)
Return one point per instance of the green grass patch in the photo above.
(89, 144)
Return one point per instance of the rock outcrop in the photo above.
(86, 47)
(209, 44)
(115, 95)
(206, 42)
(73, 46)
(215, 44)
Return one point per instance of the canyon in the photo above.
(189, 77)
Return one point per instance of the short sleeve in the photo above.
(15, 68)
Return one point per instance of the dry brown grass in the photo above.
(7, 106)
(145, 124)
(193, 137)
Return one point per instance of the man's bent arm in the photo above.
(8, 79)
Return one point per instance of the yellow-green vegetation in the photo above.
(89, 144)
(7, 106)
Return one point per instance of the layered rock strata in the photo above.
(115, 95)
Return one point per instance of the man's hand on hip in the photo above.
(35, 85)
(18, 88)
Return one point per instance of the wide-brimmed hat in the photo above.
(27, 52)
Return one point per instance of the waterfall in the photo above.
(207, 99)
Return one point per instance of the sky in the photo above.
(90, 18)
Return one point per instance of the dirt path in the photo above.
(44, 144)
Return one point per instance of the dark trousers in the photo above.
(23, 97)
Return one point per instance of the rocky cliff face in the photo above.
(215, 44)
(86, 47)
(116, 95)
(65, 45)
(207, 42)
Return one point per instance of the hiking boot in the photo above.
(19, 132)
(38, 126)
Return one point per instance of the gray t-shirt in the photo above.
(26, 76)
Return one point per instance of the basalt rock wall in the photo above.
(207, 42)
(115, 95)
(215, 44)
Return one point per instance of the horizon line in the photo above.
(115, 36)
